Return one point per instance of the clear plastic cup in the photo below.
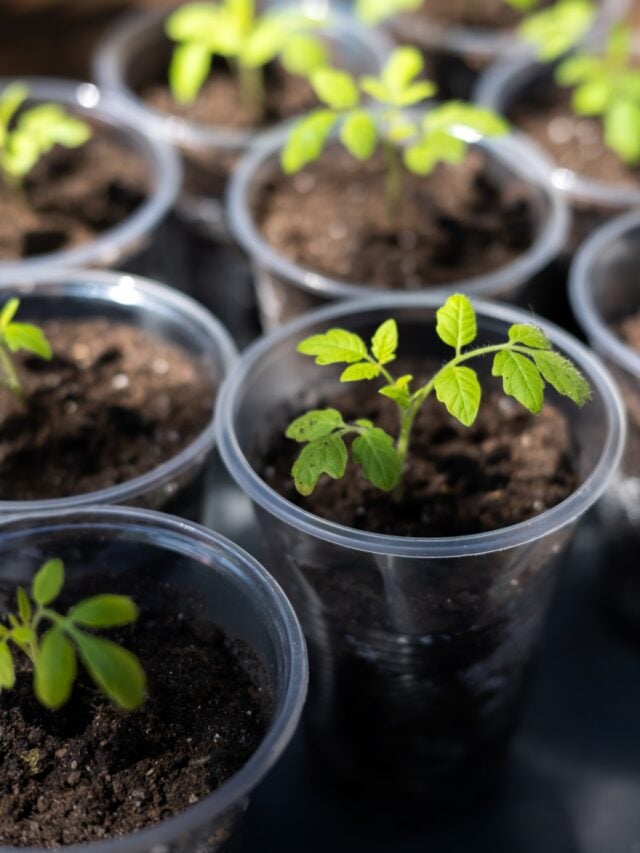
(285, 289)
(179, 483)
(138, 243)
(604, 290)
(237, 594)
(420, 648)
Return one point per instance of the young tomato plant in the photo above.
(53, 653)
(27, 136)
(525, 362)
(607, 86)
(15, 337)
(247, 40)
(416, 140)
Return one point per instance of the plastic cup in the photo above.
(420, 648)
(236, 593)
(179, 483)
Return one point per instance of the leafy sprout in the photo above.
(417, 140)
(525, 362)
(608, 87)
(232, 29)
(15, 337)
(26, 135)
(53, 653)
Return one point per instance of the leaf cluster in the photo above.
(15, 337)
(526, 363)
(232, 29)
(373, 110)
(54, 653)
(27, 135)
(555, 30)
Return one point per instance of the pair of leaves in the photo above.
(15, 337)
(338, 346)
(555, 30)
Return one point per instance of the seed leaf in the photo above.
(459, 389)
(381, 463)
(314, 424)
(359, 134)
(7, 670)
(327, 455)
(9, 311)
(334, 347)
(104, 611)
(116, 671)
(520, 379)
(55, 669)
(307, 140)
(48, 582)
(189, 68)
(456, 322)
(564, 376)
(337, 89)
(362, 370)
(384, 343)
(530, 336)
(303, 54)
(27, 337)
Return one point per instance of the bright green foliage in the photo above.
(608, 86)
(526, 363)
(27, 136)
(53, 652)
(232, 29)
(375, 11)
(15, 337)
(555, 30)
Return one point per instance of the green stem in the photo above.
(252, 87)
(394, 182)
(10, 381)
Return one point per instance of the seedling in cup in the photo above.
(526, 363)
(416, 141)
(248, 41)
(15, 337)
(53, 652)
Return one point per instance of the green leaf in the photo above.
(193, 22)
(530, 336)
(116, 671)
(188, 70)
(335, 88)
(9, 311)
(457, 114)
(520, 379)
(459, 389)
(362, 370)
(563, 375)
(400, 392)
(384, 343)
(23, 635)
(307, 140)
(456, 322)
(314, 424)
(381, 463)
(578, 69)
(554, 31)
(375, 11)
(24, 336)
(48, 582)
(7, 670)
(55, 669)
(359, 134)
(415, 93)
(24, 605)
(622, 130)
(591, 98)
(376, 89)
(326, 455)
(334, 347)
(402, 67)
(437, 146)
(264, 42)
(304, 54)
(12, 98)
(104, 611)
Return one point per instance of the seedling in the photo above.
(248, 41)
(54, 652)
(525, 362)
(608, 87)
(27, 136)
(416, 140)
(15, 337)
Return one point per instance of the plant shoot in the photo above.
(15, 337)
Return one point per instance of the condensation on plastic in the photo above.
(401, 629)
(237, 594)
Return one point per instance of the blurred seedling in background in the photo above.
(13, 338)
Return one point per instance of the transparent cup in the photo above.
(286, 290)
(138, 243)
(604, 290)
(236, 593)
(179, 484)
(420, 648)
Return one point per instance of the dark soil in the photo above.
(90, 771)
(508, 467)
(489, 14)
(115, 402)
(71, 197)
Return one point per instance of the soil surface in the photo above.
(458, 222)
(508, 467)
(574, 142)
(71, 197)
(490, 14)
(629, 331)
(115, 402)
(90, 771)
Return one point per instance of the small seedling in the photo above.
(54, 652)
(27, 136)
(248, 41)
(607, 86)
(15, 337)
(525, 362)
(417, 140)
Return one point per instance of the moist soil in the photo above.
(456, 223)
(71, 197)
(113, 403)
(90, 771)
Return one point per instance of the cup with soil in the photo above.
(123, 413)
(487, 226)
(103, 204)
(226, 678)
(212, 133)
(422, 616)
(605, 296)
